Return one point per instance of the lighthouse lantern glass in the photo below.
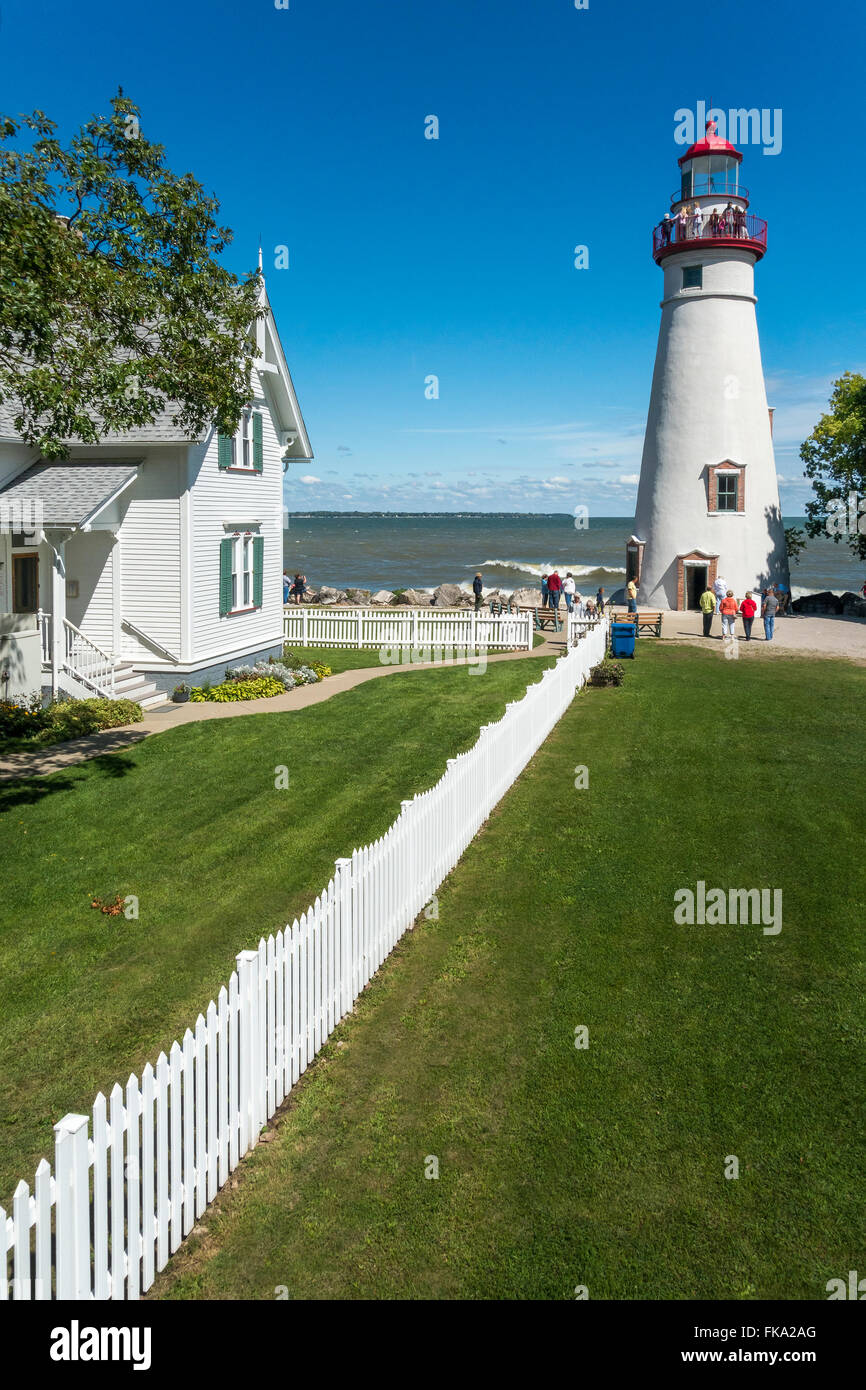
(713, 173)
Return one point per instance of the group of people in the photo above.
(691, 221)
(553, 588)
(294, 589)
(774, 601)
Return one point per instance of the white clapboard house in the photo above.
(153, 559)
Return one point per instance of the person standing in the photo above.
(783, 595)
(768, 612)
(299, 588)
(478, 590)
(554, 589)
(287, 586)
(600, 600)
(720, 588)
(568, 588)
(545, 592)
(631, 596)
(748, 609)
(728, 610)
(707, 605)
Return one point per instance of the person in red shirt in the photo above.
(554, 589)
(728, 610)
(748, 609)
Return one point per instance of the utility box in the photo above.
(20, 656)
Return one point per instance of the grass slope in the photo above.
(603, 1167)
(191, 823)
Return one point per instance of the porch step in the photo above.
(131, 685)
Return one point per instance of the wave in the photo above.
(526, 567)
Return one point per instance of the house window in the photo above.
(241, 572)
(693, 277)
(244, 451)
(728, 492)
(247, 438)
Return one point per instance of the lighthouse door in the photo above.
(696, 582)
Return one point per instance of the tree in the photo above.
(795, 542)
(835, 459)
(112, 301)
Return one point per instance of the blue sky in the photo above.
(412, 257)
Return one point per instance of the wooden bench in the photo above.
(649, 624)
(543, 617)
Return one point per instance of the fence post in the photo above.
(306, 614)
(248, 1038)
(343, 896)
(72, 1175)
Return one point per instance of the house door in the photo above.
(696, 582)
(25, 583)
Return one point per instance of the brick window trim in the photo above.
(695, 557)
(713, 472)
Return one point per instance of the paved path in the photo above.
(53, 759)
(824, 637)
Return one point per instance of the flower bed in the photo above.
(258, 688)
(30, 724)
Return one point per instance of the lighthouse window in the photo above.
(728, 484)
(693, 277)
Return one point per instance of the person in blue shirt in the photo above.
(544, 591)
(287, 586)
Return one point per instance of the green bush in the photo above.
(607, 672)
(30, 722)
(320, 669)
(262, 688)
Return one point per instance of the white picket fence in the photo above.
(120, 1203)
(407, 628)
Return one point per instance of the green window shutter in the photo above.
(258, 452)
(226, 547)
(224, 450)
(258, 570)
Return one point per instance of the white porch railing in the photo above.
(43, 620)
(86, 662)
(164, 1145)
(406, 627)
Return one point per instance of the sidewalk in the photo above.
(43, 762)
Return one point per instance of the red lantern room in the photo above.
(711, 204)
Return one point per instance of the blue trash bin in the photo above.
(622, 638)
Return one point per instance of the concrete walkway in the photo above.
(43, 762)
(802, 636)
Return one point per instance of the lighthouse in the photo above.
(708, 498)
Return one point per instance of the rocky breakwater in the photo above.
(445, 596)
(828, 604)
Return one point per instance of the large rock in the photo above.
(361, 598)
(411, 598)
(382, 596)
(329, 596)
(817, 604)
(526, 598)
(451, 596)
(853, 605)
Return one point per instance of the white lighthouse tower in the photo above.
(708, 500)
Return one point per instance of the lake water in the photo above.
(389, 550)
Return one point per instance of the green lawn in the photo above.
(605, 1166)
(353, 659)
(190, 822)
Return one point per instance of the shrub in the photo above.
(607, 672)
(63, 719)
(321, 670)
(260, 688)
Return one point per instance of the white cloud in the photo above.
(309, 479)
(632, 479)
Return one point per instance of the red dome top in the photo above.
(711, 144)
